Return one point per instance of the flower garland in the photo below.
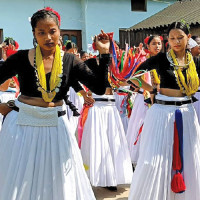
(192, 84)
(56, 74)
(156, 79)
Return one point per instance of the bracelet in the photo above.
(154, 91)
(139, 81)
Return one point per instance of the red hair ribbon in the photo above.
(55, 12)
(146, 40)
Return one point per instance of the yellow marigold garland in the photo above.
(192, 77)
(55, 79)
(156, 79)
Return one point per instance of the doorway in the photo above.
(73, 35)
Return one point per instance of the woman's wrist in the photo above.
(132, 84)
(154, 91)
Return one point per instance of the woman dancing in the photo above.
(39, 156)
(168, 167)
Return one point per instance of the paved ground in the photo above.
(105, 194)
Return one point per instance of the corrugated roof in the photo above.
(187, 10)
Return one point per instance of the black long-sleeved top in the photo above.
(89, 73)
(164, 69)
(197, 63)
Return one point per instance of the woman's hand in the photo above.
(88, 100)
(87, 96)
(4, 86)
(4, 109)
(102, 42)
(6, 48)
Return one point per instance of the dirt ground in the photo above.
(104, 194)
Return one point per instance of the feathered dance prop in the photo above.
(124, 64)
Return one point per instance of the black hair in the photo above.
(179, 25)
(9, 40)
(70, 45)
(43, 14)
(82, 53)
(151, 38)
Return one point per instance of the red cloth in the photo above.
(176, 164)
(140, 130)
(82, 120)
(10, 52)
(177, 183)
(16, 85)
(16, 45)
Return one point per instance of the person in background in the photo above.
(103, 146)
(71, 47)
(84, 55)
(193, 45)
(140, 106)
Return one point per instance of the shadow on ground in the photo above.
(105, 194)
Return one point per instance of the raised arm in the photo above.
(92, 75)
(9, 68)
(151, 63)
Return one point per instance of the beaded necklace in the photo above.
(56, 74)
(192, 84)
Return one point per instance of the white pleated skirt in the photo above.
(135, 122)
(197, 105)
(104, 147)
(40, 162)
(78, 102)
(118, 102)
(153, 174)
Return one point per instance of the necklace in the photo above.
(189, 84)
(176, 66)
(56, 74)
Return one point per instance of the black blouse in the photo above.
(89, 73)
(163, 68)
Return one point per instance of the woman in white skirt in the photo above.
(104, 147)
(5, 96)
(78, 102)
(168, 167)
(197, 104)
(39, 156)
(119, 98)
(140, 107)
